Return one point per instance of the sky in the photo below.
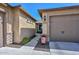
(32, 8)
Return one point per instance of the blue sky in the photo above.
(32, 8)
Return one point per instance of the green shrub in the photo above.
(25, 40)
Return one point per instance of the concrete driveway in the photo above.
(64, 48)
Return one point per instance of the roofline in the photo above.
(26, 13)
(19, 6)
(4, 4)
(56, 9)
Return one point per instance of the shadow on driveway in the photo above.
(69, 46)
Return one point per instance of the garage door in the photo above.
(64, 28)
(1, 29)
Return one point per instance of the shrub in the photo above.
(25, 40)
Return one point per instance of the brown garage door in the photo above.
(64, 28)
(1, 29)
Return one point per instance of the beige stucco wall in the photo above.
(10, 26)
(23, 22)
(22, 28)
(26, 28)
(16, 25)
(62, 12)
(45, 24)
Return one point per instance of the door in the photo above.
(1, 29)
(64, 28)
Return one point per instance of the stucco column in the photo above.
(9, 25)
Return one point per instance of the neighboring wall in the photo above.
(26, 26)
(16, 25)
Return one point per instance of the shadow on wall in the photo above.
(26, 35)
(27, 32)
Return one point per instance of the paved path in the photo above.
(27, 49)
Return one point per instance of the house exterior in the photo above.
(15, 23)
(61, 24)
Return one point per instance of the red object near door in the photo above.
(43, 39)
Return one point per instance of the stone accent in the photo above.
(9, 38)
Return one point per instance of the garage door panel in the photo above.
(64, 28)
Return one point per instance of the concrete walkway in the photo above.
(64, 48)
(27, 49)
